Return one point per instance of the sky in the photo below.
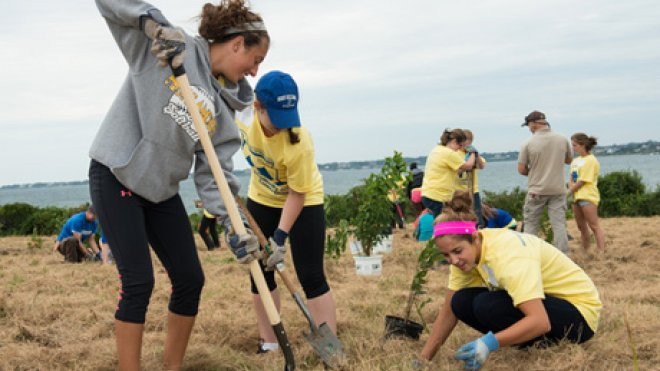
(374, 76)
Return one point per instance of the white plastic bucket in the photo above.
(384, 246)
(356, 247)
(369, 265)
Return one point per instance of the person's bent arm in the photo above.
(442, 327)
(93, 245)
(534, 324)
(81, 246)
(292, 207)
(523, 169)
(480, 162)
(574, 187)
(469, 164)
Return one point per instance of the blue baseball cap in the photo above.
(278, 93)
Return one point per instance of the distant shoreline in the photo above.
(651, 148)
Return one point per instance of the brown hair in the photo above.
(487, 211)
(293, 136)
(447, 136)
(216, 20)
(458, 209)
(584, 140)
(468, 134)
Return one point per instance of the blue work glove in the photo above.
(245, 247)
(470, 149)
(474, 353)
(277, 249)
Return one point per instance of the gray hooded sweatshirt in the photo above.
(147, 138)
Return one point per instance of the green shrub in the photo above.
(621, 194)
(15, 219)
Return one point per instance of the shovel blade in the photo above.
(327, 346)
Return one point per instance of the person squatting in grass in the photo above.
(146, 146)
(441, 171)
(285, 196)
(515, 288)
(75, 232)
(583, 185)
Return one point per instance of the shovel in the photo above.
(232, 211)
(323, 341)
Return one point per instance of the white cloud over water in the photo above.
(374, 75)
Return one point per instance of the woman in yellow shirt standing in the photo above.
(285, 197)
(515, 288)
(441, 170)
(583, 184)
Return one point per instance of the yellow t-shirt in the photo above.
(440, 173)
(278, 165)
(529, 268)
(462, 182)
(586, 169)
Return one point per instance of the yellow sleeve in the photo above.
(589, 172)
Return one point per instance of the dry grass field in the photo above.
(56, 316)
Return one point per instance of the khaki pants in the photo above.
(534, 205)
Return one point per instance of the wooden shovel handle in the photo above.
(225, 192)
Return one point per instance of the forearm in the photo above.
(574, 187)
(442, 327)
(469, 164)
(292, 207)
(524, 330)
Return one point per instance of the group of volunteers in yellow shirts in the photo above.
(514, 288)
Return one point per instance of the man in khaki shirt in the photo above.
(541, 159)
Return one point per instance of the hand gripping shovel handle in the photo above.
(232, 210)
(263, 241)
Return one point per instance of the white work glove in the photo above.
(277, 250)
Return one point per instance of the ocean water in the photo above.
(496, 177)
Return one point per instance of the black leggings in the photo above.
(485, 311)
(211, 241)
(131, 224)
(307, 239)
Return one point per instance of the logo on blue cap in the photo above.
(278, 93)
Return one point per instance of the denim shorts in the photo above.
(583, 203)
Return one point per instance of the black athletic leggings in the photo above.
(307, 239)
(485, 311)
(131, 224)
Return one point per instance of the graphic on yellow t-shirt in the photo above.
(277, 165)
(527, 268)
(586, 169)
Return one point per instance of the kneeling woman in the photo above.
(514, 288)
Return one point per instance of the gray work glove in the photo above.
(276, 256)
(168, 43)
(245, 247)
(277, 250)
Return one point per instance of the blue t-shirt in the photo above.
(501, 219)
(78, 224)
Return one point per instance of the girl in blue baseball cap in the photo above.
(285, 196)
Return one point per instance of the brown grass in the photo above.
(56, 316)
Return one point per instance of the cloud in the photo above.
(374, 76)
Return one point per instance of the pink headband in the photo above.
(456, 227)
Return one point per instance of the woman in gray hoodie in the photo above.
(146, 146)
